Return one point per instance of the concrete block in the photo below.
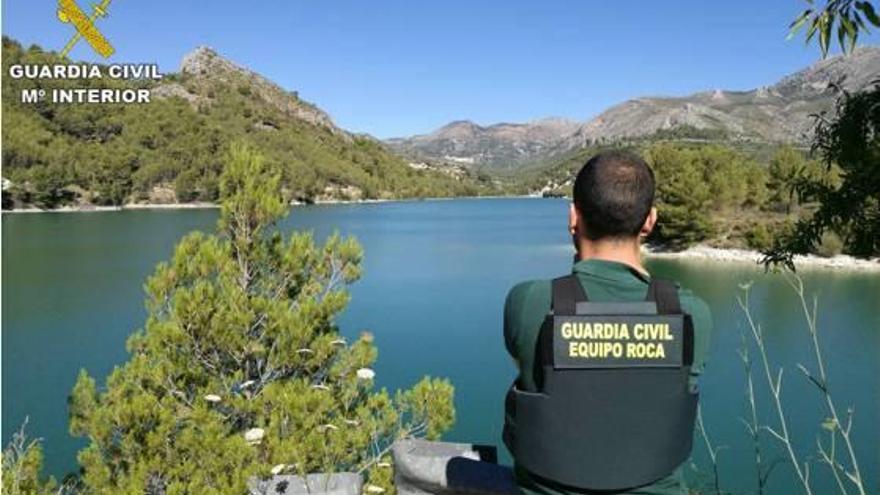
(313, 484)
(423, 467)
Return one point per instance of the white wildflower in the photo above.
(375, 489)
(366, 374)
(320, 386)
(247, 384)
(213, 398)
(328, 426)
(277, 469)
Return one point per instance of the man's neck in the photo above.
(620, 251)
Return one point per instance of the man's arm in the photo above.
(524, 311)
(513, 305)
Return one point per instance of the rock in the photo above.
(162, 193)
(336, 192)
(254, 435)
(171, 90)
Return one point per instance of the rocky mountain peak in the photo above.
(203, 60)
(457, 129)
(854, 71)
(207, 66)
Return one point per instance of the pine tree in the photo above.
(684, 197)
(240, 370)
(786, 168)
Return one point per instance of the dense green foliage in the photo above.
(848, 195)
(690, 133)
(115, 153)
(698, 187)
(240, 369)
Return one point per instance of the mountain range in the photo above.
(779, 113)
(172, 149)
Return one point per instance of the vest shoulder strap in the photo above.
(665, 294)
(567, 292)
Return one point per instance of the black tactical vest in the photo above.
(614, 408)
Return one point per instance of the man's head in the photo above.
(613, 199)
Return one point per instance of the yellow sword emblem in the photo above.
(69, 11)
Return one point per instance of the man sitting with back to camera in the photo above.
(608, 356)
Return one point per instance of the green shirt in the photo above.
(604, 281)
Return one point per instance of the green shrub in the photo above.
(829, 245)
(758, 237)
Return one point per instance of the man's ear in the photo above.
(648, 226)
(573, 219)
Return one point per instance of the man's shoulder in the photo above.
(526, 300)
(526, 304)
(529, 291)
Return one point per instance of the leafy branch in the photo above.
(846, 18)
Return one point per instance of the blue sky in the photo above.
(395, 68)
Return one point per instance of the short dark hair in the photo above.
(614, 192)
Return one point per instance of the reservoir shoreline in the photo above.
(699, 252)
(702, 252)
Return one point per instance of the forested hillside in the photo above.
(170, 149)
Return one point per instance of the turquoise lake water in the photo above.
(436, 274)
